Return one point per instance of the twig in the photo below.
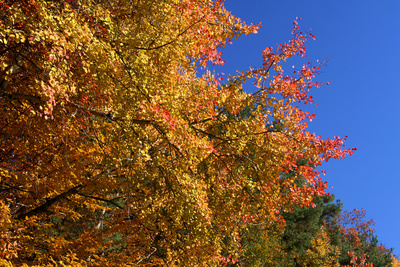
(146, 257)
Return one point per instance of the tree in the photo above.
(307, 238)
(115, 151)
(321, 253)
(359, 244)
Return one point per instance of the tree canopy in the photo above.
(120, 146)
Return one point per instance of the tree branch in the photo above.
(50, 202)
(110, 201)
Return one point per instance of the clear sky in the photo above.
(362, 41)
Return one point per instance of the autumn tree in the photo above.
(115, 151)
(359, 243)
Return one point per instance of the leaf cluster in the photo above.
(116, 151)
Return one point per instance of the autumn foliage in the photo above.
(116, 151)
(360, 242)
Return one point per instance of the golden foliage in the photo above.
(115, 151)
(395, 261)
(322, 253)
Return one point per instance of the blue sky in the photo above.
(361, 40)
